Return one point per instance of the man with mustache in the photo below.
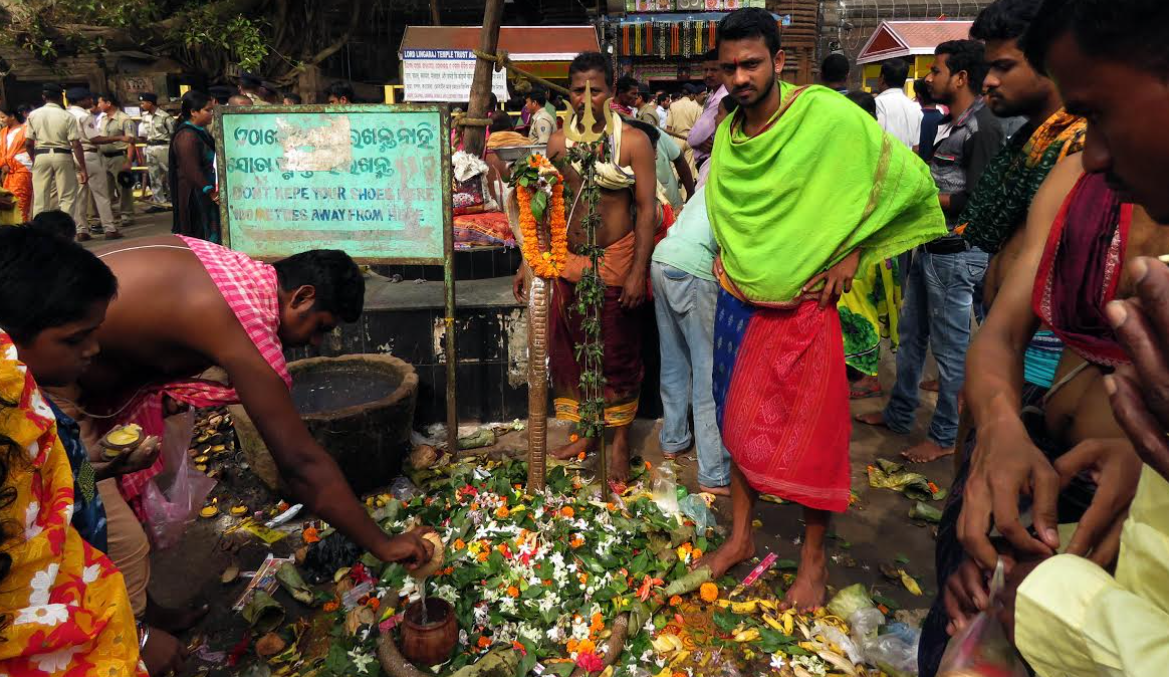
(804, 187)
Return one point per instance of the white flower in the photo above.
(649, 625)
(777, 661)
(482, 616)
(507, 605)
(31, 528)
(56, 661)
(90, 573)
(45, 614)
(361, 661)
(463, 638)
(647, 657)
(556, 635)
(41, 582)
(547, 603)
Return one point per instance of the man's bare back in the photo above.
(168, 321)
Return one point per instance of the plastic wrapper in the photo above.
(695, 508)
(886, 474)
(403, 489)
(850, 600)
(982, 648)
(173, 497)
(665, 488)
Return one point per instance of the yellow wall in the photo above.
(919, 69)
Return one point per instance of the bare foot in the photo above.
(930, 386)
(717, 491)
(728, 555)
(811, 585)
(864, 388)
(925, 452)
(572, 450)
(876, 418)
(619, 458)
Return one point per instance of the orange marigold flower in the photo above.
(572, 645)
(373, 603)
(696, 553)
(331, 606)
(586, 646)
(708, 592)
(513, 591)
(576, 542)
(484, 642)
(583, 578)
(310, 535)
(649, 466)
(483, 555)
(502, 512)
(573, 437)
(459, 544)
(568, 512)
(675, 600)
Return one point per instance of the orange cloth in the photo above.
(19, 178)
(615, 264)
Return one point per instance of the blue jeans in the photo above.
(936, 314)
(684, 306)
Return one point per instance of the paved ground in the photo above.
(874, 531)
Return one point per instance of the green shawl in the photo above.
(822, 180)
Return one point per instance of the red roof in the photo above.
(523, 43)
(907, 38)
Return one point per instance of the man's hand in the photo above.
(1017, 572)
(1007, 466)
(633, 291)
(1140, 392)
(409, 548)
(82, 177)
(163, 653)
(519, 285)
(1115, 468)
(967, 592)
(837, 280)
(214, 195)
(140, 458)
(706, 146)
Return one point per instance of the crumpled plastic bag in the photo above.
(885, 474)
(851, 600)
(172, 497)
(982, 648)
(696, 509)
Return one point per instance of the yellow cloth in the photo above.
(1072, 618)
(65, 604)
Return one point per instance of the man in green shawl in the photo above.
(804, 188)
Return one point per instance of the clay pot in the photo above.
(430, 644)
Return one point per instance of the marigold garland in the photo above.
(551, 263)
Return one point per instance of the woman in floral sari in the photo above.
(868, 314)
(15, 163)
(64, 605)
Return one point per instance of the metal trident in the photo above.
(587, 135)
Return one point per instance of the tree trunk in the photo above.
(474, 137)
(435, 14)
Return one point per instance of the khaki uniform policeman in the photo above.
(80, 102)
(53, 137)
(156, 130)
(113, 130)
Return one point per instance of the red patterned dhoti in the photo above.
(782, 396)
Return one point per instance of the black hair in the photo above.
(192, 101)
(645, 94)
(966, 55)
(748, 23)
(341, 90)
(865, 100)
(23, 110)
(110, 97)
(662, 98)
(1004, 20)
(924, 96)
(13, 111)
(500, 122)
(492, 102)
(338, 282)
(895, 72)
(711, 55)
(591, 61)
(294, 98)
(54, 222)
(539, 95)
(1132, 31)
(88, 95)
(835, 68)
(626, 83)
(48, 281)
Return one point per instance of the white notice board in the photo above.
(444, 75)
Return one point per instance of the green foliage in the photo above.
(239, 36)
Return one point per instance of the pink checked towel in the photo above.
(252, 291)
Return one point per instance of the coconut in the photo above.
(436, 557)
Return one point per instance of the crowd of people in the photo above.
(1008, 218)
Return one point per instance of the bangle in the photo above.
(208, 189)
(145, 636)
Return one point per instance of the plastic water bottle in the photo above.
(665, 488)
